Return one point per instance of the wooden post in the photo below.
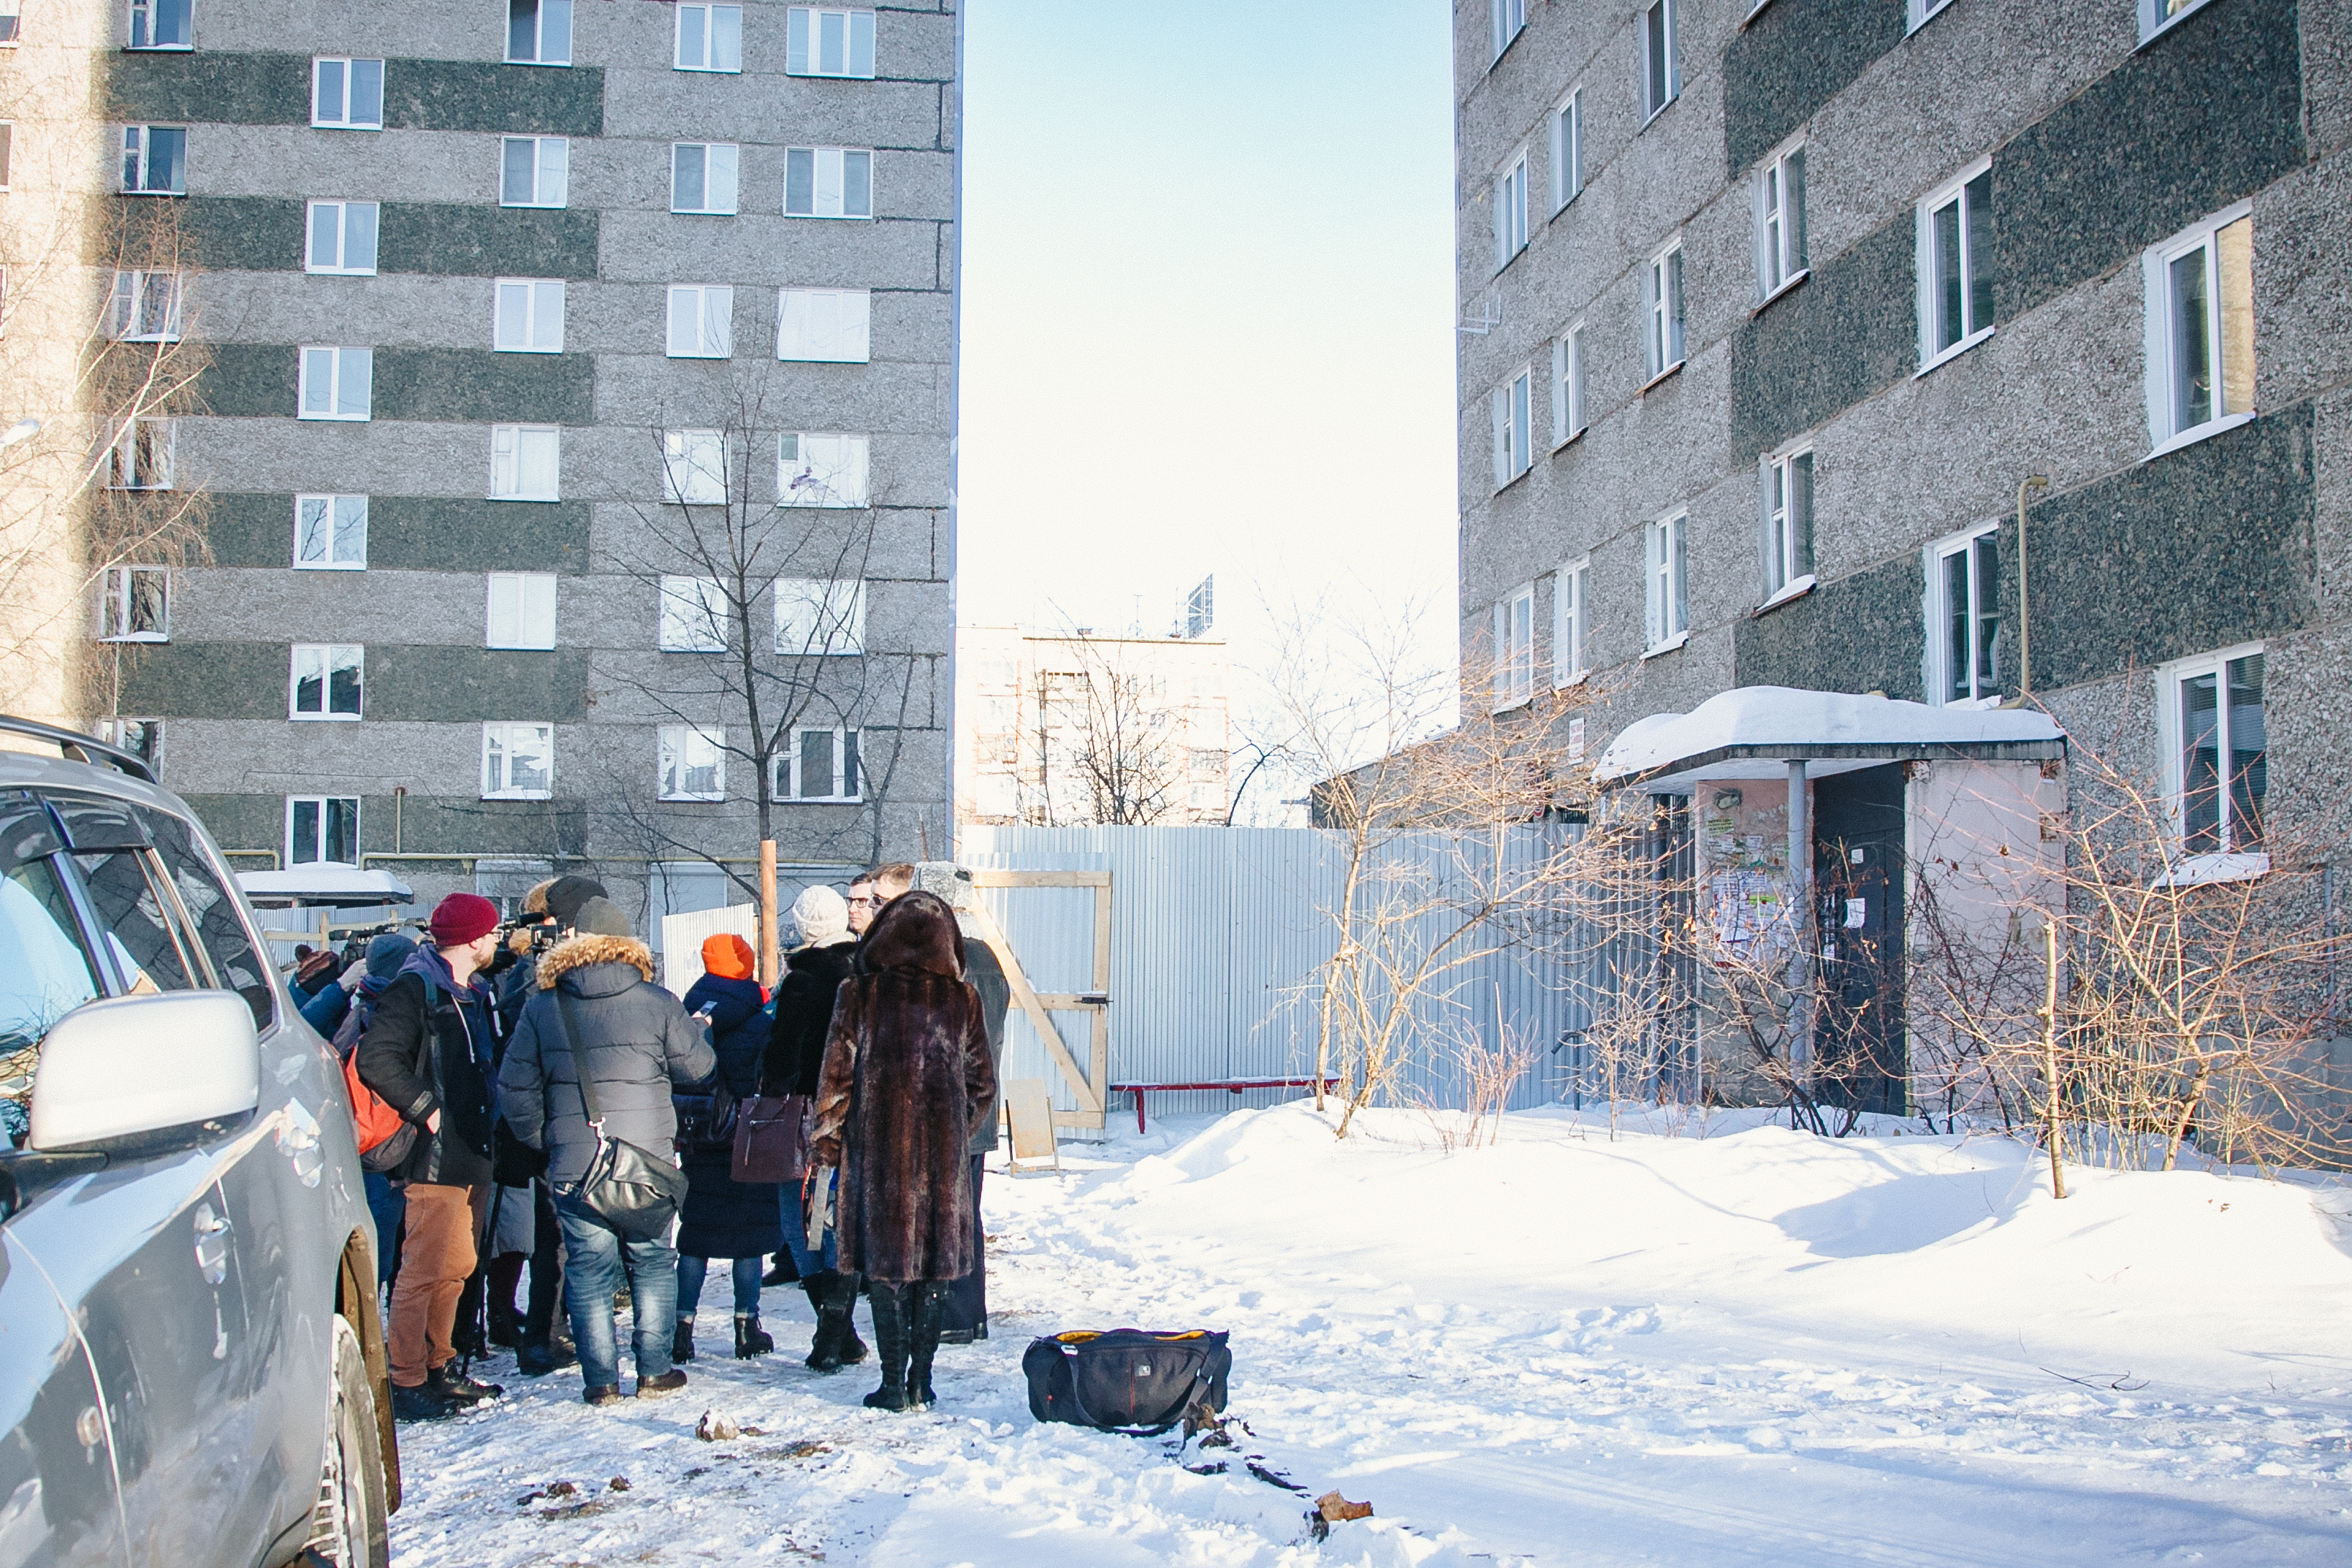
(768, 960)
(2050, 1046)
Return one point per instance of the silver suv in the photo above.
(192, 1366)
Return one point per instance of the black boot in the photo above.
(780, 1270)
(681, 1348)
(834, 1294)
(930, 1299)
(849, 1347)
(506, 1324)
(750, 1339)
(889, 1303)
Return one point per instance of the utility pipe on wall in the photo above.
(2025, 621)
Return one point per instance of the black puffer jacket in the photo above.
(723, 1218)
(813, 978)
(984, 974)
(635, 1039)
(426, 1055)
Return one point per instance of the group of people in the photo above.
(492, 1051)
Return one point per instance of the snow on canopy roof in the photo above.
(1762, 722)
(324, 881)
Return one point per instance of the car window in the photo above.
(44, 972)
(220, 929)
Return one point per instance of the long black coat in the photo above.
(723, 1218)
(813, 978)
(906, 1072)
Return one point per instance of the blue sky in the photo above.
(1207, 307)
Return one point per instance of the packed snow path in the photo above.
(1735, 1345)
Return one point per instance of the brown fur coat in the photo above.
(907, 1071)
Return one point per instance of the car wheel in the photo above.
(347, 1522)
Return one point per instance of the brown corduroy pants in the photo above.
(436, 1258)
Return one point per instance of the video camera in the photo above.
(544, 933)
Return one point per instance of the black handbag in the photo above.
(1128, 1379)
(706, 1121)
(631, 1189)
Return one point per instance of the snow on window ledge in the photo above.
(2207, 431)
(1673, 369)
(1796, 588)
(2195, 870)
(1669, 645)
(1787, 286)
(1955, 351)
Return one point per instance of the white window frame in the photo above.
(550, 172)
(498, 748)
(810, 321)
(526, 315)
(680, 748)
(140, 32)
(804, 42)
(1505, 19)
(2153, 21)
(1778, 193)
(132, 304)
(720, 174)
(320, 806)
(357, 229)
(1662, 313)
(1514, 644)
(1952, 190)
(718, 42)
(839, 160)
(1985, 683)
(512, 438)
(1514, 422)
(701, 321)
(146, 743)
(2228, 859)
(140, 456)
(138, 159)
(1568, 397)
(820, 618)
(805, 477)
(519, 610)
(790, 783)
(1571, 622)
(549, 41)
(1566, 123)
(1665, 582)
(1510, 198)
(1915, 13)
(12, 21)
(1787, 545)
(694, 467)
(2167, 431)
(328, 373)
(695, 616)
(339, 116)
(1652, 21)
(324, 516)
(119, 592)
(326, 658)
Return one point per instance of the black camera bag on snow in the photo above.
(1127, 1380)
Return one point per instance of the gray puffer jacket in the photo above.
(635, 1038)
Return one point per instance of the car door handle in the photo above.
(212, 1244)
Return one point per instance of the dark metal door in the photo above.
(1860, 1054)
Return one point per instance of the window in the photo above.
(347, 94)
(821, 470)
(703, 176)
(820, 618)
(1662, 311)
(1568, 385)
(1788, 506)
(1506, 18)
(337, 383)
(524, 461)
(1955, 266)
(2156, 16)
(8, 139)
(1514, 647)
(1512, 456)
(1666, 572)
(822, 765)
(829, 182)
(160, 23)
(1661, 77)
(221, 933)
(1511, 212)
(1966, 649)
(709, 38)
(518, 762)
(142, 738)
(1917, 12)
(141, 458)
(145, 308)
(1781, 222)
(154, 160)
(693, 763)
(342, 237)
(521, 610)
(694, 616)
(1568, 150)
(2200, 330)
(10, 13)
(322, 828)
(331, 533)
(694, 466)
(538, 33)
(134, 604)
(529, 316)
(1570, 622)
(534, 171)
(825, 42)
(701, 320)
(326, 682)
(831, 324)
(2217, 750)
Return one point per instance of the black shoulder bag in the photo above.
(1128, 1379)
(632, 1190)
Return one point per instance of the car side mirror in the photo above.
(136, 1065)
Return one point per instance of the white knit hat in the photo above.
(822, 915)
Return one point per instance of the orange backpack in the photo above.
(385, 1137)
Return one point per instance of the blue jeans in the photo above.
(691, 1272)
(796, 1236)
(386, 1205)
(595, 1259)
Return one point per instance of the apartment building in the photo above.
(573, 433)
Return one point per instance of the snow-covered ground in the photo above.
(1733, 1345)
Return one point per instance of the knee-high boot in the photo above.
(890, 1314)
(923, 1318)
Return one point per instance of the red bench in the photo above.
(1230, 1085)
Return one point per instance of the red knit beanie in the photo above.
(727, 956)
(462, 918)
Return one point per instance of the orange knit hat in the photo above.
(727, 956)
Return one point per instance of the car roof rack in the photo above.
(78, 747)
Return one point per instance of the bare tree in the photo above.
(1106, 748)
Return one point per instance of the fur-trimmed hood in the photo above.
(580, 951)
(914, 932)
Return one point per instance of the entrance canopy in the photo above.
(1755, 732)
(323, 882)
